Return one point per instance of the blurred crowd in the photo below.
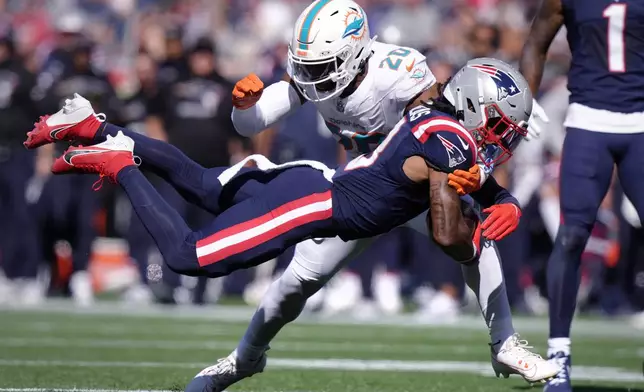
(166, 68)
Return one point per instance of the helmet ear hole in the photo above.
(471, 106)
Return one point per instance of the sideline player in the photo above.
(361, 87)
(604, 127)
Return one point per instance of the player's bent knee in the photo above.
(287, 295)
(299, 279)
(182, 259)
(572, 238)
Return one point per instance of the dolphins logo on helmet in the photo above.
(506, 86)
(355, 23)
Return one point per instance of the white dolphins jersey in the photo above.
(395, 75)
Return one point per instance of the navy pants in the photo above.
(259, 214)
(142, 244)
(586, 170)
(19, 245)
(67, 209)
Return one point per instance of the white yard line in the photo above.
(227, 313)
(287, 346)
(102, 390)
(584, 373)
(92, 327)
(79, 390)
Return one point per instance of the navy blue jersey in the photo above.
(372, 194)
(606, 38)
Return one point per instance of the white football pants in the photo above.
(316, 261)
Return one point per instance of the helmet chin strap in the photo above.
(362, 70)
(351, 87)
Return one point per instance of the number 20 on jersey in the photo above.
(394, 59)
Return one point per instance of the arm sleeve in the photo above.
(277, 101)
(492, 193)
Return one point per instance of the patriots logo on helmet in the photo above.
(505, 85)
(355, 25)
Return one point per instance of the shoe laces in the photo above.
(224, 371)
(562, 376)
(98, 184)
(41, 123)
(69, 107)
(520, 348)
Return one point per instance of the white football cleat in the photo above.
(442, 308)
(386, 290)
(637, 320)
(514, 358)
(32, 292)
(75, 121)
(226, 372)
(343, 294)
(80, 284)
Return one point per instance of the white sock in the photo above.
(485, 278)
(556, 345)
(550, 213)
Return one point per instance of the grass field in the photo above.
(60, 348)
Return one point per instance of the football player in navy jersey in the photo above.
(605, 127)
(479, 116)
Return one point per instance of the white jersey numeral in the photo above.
(367, 160)
(616, 14)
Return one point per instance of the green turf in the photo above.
(57, 350)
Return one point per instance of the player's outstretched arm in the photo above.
(450, 230)
(256, 108)
(544, 27)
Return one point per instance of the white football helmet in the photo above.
(330, 45)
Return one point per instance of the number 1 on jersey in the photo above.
(616, 15)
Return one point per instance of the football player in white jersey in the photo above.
(362, 88)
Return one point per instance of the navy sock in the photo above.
(563, 276)
(195, 183)
(170, 232)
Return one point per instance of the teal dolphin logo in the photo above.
(354, 28)
(419, 73)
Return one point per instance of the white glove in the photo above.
(538, 119)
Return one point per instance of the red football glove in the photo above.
(465, 181)
(247, 92)
(503, 220)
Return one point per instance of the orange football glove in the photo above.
(503, 220)
(247, 92)
(465, 181)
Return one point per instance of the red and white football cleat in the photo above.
(75, 121)
(105, 159)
